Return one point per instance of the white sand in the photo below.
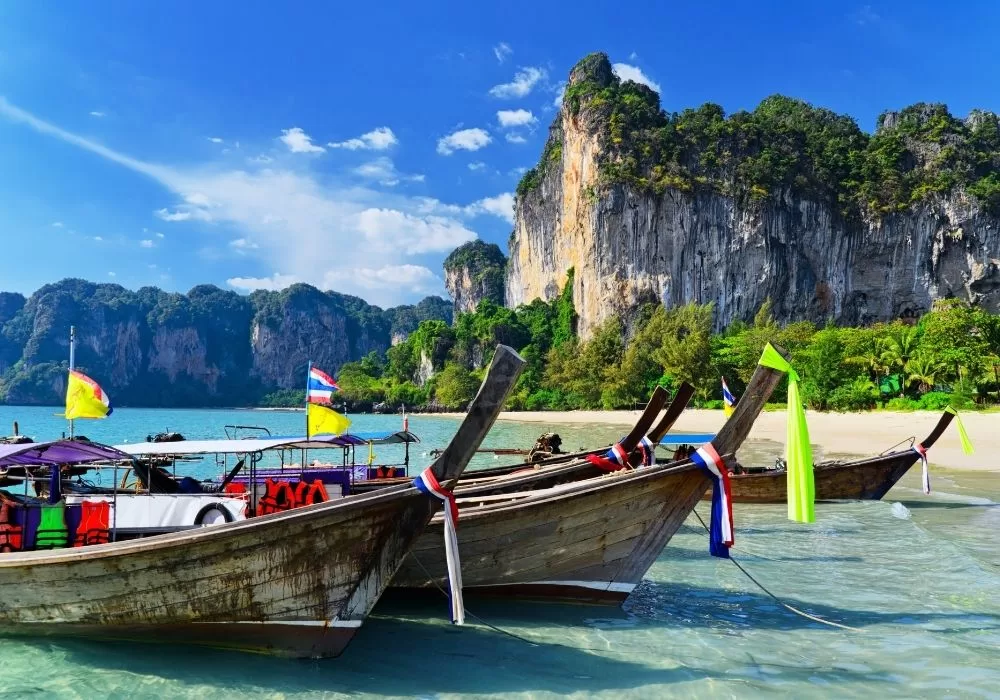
(833, 433)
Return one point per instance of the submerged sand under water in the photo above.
(916, 576)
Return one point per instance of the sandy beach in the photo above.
(832, 433)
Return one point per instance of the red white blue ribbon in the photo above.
(925, 475)
(648, 451)
(427, 483)
(618, 455)
(721, 529)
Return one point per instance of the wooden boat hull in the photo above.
(865, 479)
(589, 541)
(290, 584)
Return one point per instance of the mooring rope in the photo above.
(776, 599)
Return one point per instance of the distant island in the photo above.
(648, 248)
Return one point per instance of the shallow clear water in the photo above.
(917, 577)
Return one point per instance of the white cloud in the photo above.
(518, 172)
(383, 170)
(242, 245)
(633, 56)
(57, 224)
(112, 274)
(97, 114)
(376, 140)
(514, 137)
(465, 139)
(502, 51)
(146, 243)
(168, 215)
(260, 159)
(273, 283)
(515, 117)
(299, 141)
(389, 229)
(522, 84)
(478, 165)
(214, 139)
(380, 285)
(98, 239)
(502, 205)
(308, 227)
(627, 72)
(158, 234)
(560, 91)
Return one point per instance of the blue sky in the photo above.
(353, 146)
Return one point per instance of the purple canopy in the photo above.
(58, 452)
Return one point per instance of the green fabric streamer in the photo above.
(798, 450)
(967, 447)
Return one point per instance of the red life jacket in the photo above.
(94, 528)
(10, 534)
(299, 493)
(279, 497)
(316, 493)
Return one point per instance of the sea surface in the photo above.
(913, 580)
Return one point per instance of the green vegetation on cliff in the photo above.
(784, 144)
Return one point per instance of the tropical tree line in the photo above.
(949, 356)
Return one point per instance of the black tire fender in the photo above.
(203, 513)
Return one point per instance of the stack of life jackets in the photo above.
(282, 495)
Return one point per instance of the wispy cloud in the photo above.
(627, 72)
(514, 137)
(299, 141)
(384, 171)
(307, 227)
(146, 243)
(465, 139)
(515, 117)
(98, 114)
(57, 224)
(477, 165)
(502, 51)
(376, 140)
(214, 139)
(523, 83)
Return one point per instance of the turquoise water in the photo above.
(917, 578)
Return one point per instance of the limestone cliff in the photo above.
(473, 272)
(788, 202)
(209, 347)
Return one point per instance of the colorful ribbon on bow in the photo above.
(798, 451)
(925, 475)
(427, 483)
(720, 531)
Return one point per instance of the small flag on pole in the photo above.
(728, 400)
(85, 398)
(320, 386)
(323, 420)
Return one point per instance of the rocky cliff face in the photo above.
(646, 209)
(209, 347)
(474, 272)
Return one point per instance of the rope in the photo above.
(910, 440)
(776, 599)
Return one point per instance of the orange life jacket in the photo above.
(316, 493)
(279, 497)
(95, 520)
(10, 534)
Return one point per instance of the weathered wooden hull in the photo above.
(297, 583)
(590, 541)
(863, 479)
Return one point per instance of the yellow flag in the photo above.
(85, 398)
(323, 420)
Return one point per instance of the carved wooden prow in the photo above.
(681, 399)
(653, 408)
(939, 429)
(504, 370)
(736, 429)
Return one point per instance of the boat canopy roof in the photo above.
(686, 438)
(58, 452)
(201, 447)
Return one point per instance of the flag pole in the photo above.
(305, 454)
(72, 365)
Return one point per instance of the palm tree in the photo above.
(900, 347)
(921, 370)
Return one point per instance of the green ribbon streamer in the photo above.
(798, 451)
(967, 447)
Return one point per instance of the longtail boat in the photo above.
(296, 583)
(869, 478)
(588, 540)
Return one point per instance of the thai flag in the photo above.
(728, 400)
(320, 387)
(428, 484)
(721, 529)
